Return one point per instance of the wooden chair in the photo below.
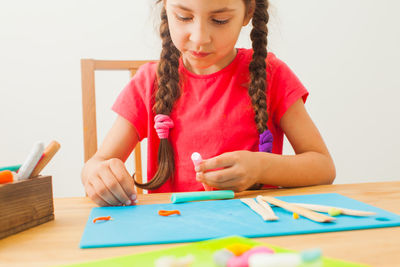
(88, 68)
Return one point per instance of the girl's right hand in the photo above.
(108, 183)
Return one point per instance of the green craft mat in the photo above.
(202, 251)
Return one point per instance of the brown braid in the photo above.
(168, 92)
(257, 67)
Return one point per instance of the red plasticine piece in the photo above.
(107, 218)
(168, 212)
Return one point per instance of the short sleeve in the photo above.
(133, 103)
(284, 88)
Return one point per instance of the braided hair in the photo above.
(169, 90)
(257, 67)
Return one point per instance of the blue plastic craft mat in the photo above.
(141, 225)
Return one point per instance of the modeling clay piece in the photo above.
(243, 260)
(171, 261)
(222, 256)
(7, 176)
(267, 207)
(266, 214)
(334, 212)
(275, 260)
(315, 216)
(197, 159)
(105, 218)
(238, 249)
(311, 258)
(201, 195)
(168, 212)
(322, 208)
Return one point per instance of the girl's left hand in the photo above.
(235, 171)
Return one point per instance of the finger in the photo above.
(218, 162)
(113, 185)
(102, 190)
(93, 196)
(124, 178)
(217, 178)
(229, 185)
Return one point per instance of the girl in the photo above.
(231, 105)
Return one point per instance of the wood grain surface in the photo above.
(57, 242)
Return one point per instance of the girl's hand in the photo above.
(235, 171)
(108, 183)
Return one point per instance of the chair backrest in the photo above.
(88, 68)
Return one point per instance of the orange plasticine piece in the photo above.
(107, 218)
(168, 212)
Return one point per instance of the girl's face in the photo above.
(206, 31)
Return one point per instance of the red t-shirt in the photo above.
(213, 115)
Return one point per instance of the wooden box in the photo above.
(24, 204)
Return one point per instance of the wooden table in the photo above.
(57, 242)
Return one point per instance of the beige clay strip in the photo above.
(299, 210)
(265, 215)
(322, 208)
(270, 213)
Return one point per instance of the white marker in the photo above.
(31, 161)
(196, 158)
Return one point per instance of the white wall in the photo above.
(345, 52)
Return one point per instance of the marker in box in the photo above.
(13, 168)
(31, 161)
(48, 154)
